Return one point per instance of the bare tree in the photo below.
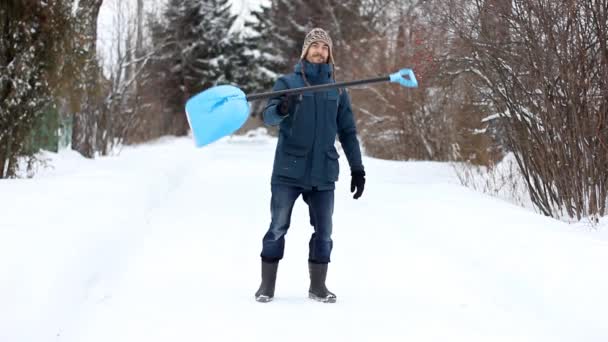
(119, 112)
(542, 66)
(424, 123)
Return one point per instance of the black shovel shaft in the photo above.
(293, 91)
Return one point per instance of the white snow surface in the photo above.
(162, 243)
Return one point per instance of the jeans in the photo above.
(320, 208)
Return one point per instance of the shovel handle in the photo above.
(301, 90)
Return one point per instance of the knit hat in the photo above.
(317, 35)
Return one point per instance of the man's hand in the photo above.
(287, 103)
(357, 183)
(283, 106)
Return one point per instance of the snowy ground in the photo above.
(162, 244)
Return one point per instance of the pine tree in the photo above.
(215, 47)
(200, 30)
(255, 58)
(191, 41)
(29, 59)
(346, 21)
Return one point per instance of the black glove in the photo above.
(287, 103)
(357, 182)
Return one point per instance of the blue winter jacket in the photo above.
(305, 155)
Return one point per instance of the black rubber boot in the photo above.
(318, 291)
(269, 277)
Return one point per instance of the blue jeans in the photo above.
(320, 208)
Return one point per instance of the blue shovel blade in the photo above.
(216, 113)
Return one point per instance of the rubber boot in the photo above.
(269, 276)
(318, 291)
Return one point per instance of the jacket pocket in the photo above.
(291, 161)
(332, 165)
(331, 113)
(333, 101)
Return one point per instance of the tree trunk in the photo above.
(85, 120)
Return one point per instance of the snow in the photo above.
(162, 242)
(243, 8)
(503, 180)
(75, 5)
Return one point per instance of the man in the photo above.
(306, 162)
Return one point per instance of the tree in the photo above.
(397, 123)
(190, 43)
(85, 120)
(254, 58)
(544, 72)
(29, 66)
(121, 90)
(347, 22)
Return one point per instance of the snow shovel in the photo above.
(221, 110)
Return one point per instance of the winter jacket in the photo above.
(305, 155)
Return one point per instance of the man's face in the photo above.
(317, 53)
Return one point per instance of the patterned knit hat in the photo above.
(317, 35)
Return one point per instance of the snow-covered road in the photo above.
(162, 244)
